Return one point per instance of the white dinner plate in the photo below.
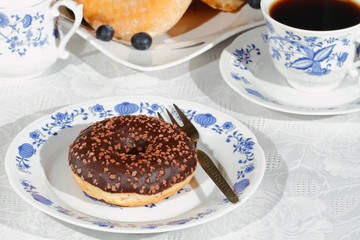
(200, 29)
(247, 67)
(37, 168)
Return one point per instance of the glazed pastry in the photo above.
(225, 5)
(128, 17)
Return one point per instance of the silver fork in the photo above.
(204, 160)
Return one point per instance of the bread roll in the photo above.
(128, 17)
(225, 5)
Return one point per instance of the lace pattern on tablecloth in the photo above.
(311, 188)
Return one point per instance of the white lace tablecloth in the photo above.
(311, 188)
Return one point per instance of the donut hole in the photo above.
(135, 146)
(136, 150)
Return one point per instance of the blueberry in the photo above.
(141, 41)
(105, 33)
(254, 3)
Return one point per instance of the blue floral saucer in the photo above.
(246, 66)
(37, 168)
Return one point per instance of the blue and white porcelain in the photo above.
(29, 36)
(312, 61)
(246, 65)
(37, 168)
(186, 40)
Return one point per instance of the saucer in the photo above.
(247, 67)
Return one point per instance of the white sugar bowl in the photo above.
(29, 36)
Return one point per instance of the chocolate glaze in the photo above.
(126, 154)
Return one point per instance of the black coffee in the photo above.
(319, 15)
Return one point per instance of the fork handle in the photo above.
(214, 173)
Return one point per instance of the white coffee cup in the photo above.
(29, 36)
(312, 61)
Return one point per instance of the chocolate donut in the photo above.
(132, 160)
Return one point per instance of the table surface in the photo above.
(311, 187)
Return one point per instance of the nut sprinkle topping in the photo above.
(132, 154)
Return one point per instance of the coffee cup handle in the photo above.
(354, 70)
(77, 10)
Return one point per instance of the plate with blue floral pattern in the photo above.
(200, 29)
(37, 168)
(247, 67)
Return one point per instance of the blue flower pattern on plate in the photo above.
(241, 185)
(205, 120)
(200, 215)
(241, 145)
(26, 151)
(126, 108)
(31, 189)
(225, 128)
(64, 120)
(99, 109)
(37, 135)
(150, 109)
(240, 78)
(243, 56)
(259, 95)
(19, 34)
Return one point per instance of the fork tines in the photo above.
(204, 160)
(187, 126)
